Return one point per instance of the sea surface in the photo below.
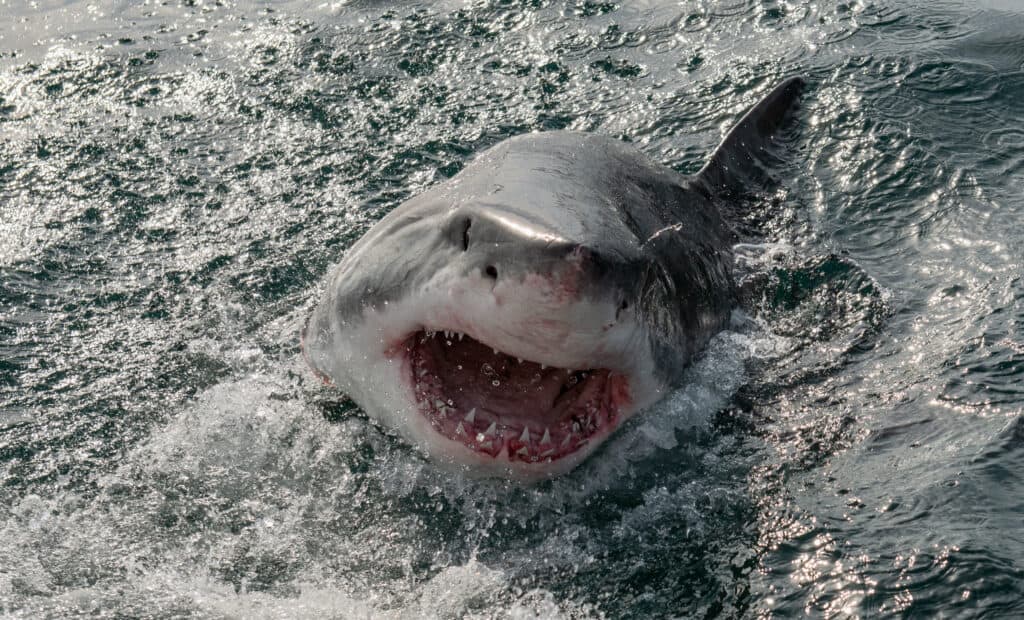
(178, 177)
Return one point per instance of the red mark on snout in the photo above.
(570, 278)
(564, 284)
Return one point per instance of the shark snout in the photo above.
(501, 244)
(507, 249)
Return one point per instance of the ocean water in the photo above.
(176, 179)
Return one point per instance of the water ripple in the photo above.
(176, 179)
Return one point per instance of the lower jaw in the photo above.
(448, 454)
(478, 436)
(503, 444)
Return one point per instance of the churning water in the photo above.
(177, 177)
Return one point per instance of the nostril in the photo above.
(491, 271)
(465, 233)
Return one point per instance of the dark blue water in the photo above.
(177, 178)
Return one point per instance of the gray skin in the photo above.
(654, 241)
(570, 251)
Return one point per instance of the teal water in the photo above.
(177, 178)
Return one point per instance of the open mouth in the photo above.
(496, 404)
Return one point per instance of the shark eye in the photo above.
(622, 308)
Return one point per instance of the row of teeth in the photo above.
(448, 335)
(485, 438)
(527, 442)
(452, 336)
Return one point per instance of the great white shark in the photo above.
(510, 319)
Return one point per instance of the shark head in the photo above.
(510, 319)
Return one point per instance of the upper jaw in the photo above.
(571, 354)
(571, 340)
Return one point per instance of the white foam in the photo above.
(248, 503)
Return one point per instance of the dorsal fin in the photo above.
(737, 160)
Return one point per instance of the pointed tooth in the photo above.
(495, 351)
(460, 336)
(460, 430)
(471, 415)
(491, 429)
(439, 403)
(524, 451)
(519, 359)
(525, 436)
(543, 366)
(421, 372)
(547, 453)
(568, 438)
(546, 438)
(487, 444)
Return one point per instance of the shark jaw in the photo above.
(521, 413)
(491, 391)
(507, 408)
